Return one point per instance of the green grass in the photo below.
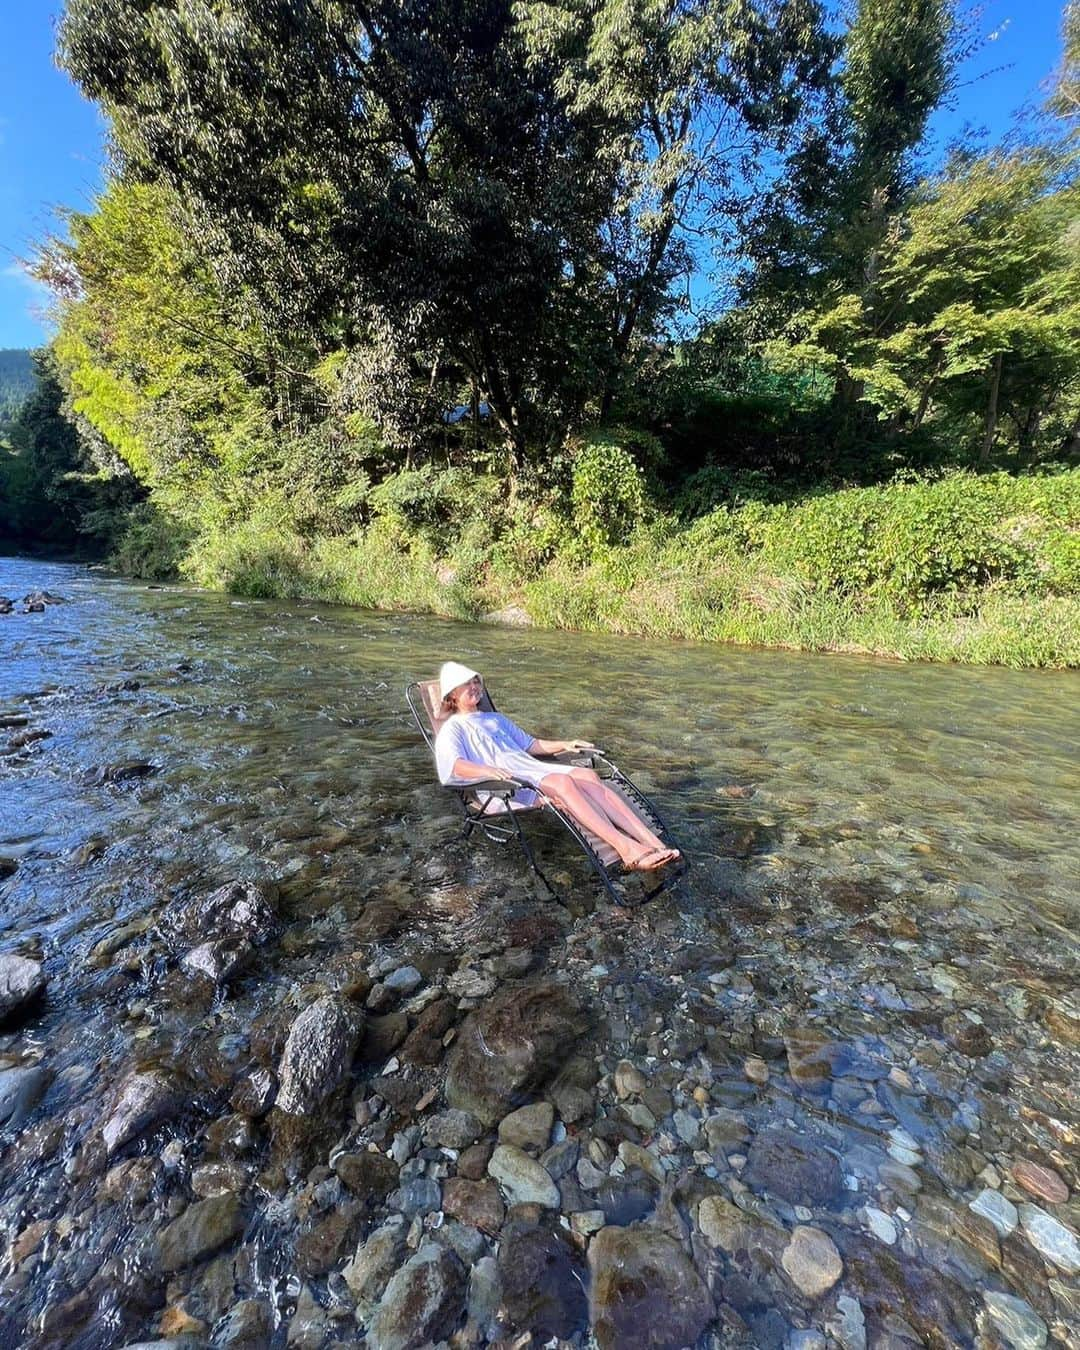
(983, 570)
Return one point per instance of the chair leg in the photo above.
(530, 857)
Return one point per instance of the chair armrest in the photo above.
(579, 758)
(498, 787)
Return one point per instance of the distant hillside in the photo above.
(17, 380)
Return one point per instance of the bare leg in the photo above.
(616, 810)
(567, 793)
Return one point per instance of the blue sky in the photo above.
(51, 139)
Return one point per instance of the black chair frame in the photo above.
(501, 824)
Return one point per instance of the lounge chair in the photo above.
(489, 806)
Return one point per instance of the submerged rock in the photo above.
(994, 1206)
(248, 1325)
(809, 1053)
(124, 772)
(21, 981)
(1042, 1182)
(142, 1100)
(423, 1302)
(238, 909)
(21, 1088)
(542, 1283)
(812, 1261)
(318, 1054)
(452, 1129)
(794, 1168)
(510, 1047)
(522, 1178)
(529, 1126)
(969, 1037)
(201, 1229)
(646, 1294)
(1053, 1241)
(369, 1272)
(1015, 1321)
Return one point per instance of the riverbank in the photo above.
(964, 568)
(818, 1099)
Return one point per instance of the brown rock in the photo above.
(970, 1038)
(1063, 1026)
(370, 1176)
(200, 1230)
(378, 921)
(383, 1035)
(320, 1249)
(474, 1202)
(131, 1180)
(177, 1321)
(809, 1053)
(511, 1046)
(423, 1045)
(473, 1161)
(1042, 1182)
(29, 1240)
(646, 1294)
(542, 1284)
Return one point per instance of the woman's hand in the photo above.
(574, 747)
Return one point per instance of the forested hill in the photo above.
(16, 380)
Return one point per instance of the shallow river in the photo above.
(821, 1093)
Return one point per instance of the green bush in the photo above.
(608, 493)
(151, 544)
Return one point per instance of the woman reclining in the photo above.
(474, 745)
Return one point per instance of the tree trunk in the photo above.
(991, 411)
(1070, 446)
(1026, 437)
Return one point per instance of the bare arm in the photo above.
(539, 747)
(466, 768)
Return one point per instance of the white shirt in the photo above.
(480, 737)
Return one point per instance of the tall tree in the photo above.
(452, 190)
(696, 94)
(823, 225)
(1065, 100)
(975, 316)
(385, 174)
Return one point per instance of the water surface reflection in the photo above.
(824, 1093)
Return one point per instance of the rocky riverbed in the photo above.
(283, 1062)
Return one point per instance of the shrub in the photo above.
(608, 493)
(151, 544)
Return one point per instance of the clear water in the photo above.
(878, 846)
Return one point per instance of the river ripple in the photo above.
(872, 966)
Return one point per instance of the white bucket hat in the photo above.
(451, 675)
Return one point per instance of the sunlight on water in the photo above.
(875, 948)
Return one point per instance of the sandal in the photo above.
(662, 856)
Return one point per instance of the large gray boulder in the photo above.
(510, 1047)
(318, 1054)
(21, 981)
(20, 1091)
(423, 1303)
(142, 1100)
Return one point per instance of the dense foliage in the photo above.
(51, 493)
(16, 383)
(328, 225)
